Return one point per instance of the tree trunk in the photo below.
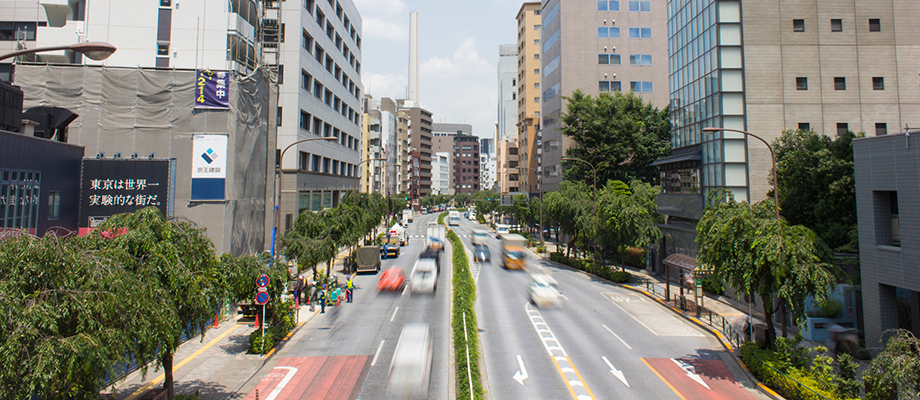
(768, 316)
(168, 383)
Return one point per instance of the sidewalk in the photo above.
(219, 367)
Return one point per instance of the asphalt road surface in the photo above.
(346, 352)
(604, 342)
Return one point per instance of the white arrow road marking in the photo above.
(616, 336)
(691, 372)
(283, 383)
(617, 373)
(521, 374)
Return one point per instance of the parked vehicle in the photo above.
(424, 278)
(407, 216)
(435, 236)
(367, 259)
(392, 278)
(389, 246)
(400, 232)
(513, 256)
(501, 229)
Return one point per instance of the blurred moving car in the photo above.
(541, 293)
(424, 278)
(481, 253)
(410, 370)
(392, 278)
(501, 229)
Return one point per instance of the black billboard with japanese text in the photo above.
(115, 186)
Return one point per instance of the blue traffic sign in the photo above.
(261, 298)
(262, 281)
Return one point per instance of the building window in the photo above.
(798, 25)
(536, 71)
(163, 49)
(536, 56)
(303, 161)
(54, 204)
(305, 119)
(536, 27)
(536, 12)
(644, 6)
(878, 83)
(840, 83)
(165, 3)
(640, 59)
(640, 87)
(887, 220)
(881, 128)
(604, 5)
(836, 25)
(640, 33)
(306, 81)
(804, 126)
(801, 83)
(875, 25)
(307, 42)
(613, 59)
(842, 128)
(608, 32)
(607, 86)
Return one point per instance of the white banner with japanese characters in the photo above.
(209, 166)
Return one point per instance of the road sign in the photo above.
(262, 281)
(261, 298)
(507, 200)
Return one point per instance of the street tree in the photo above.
(628, 215)
(755, 252)
(486, 201)
(571, 208)
(71, 317)
(520, 209)
(895, 372)
(620, 134)
(817, 187)
(176, 261)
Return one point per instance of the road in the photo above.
(346, 352)
(603, 342)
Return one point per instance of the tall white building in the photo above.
(507, 92)
(440, 173)
(381, 140)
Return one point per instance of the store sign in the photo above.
(212, 89)
(115, 186)
(209, 166)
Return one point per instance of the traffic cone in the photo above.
(256, 325)
(297, 302)
(216, 320)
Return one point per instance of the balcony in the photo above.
(688, 206)
(69, 33)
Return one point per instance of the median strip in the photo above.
(463, 322)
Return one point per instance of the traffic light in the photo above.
(488, 199)
(406, 198)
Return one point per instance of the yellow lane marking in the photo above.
(764, 387)
(580, 378)
(663, 380)
(562, 374)
(176, 367)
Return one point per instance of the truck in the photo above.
(407, 216)
(513, 255)
(367, 259)
(402, 233)
(453, 218)
(435, 236)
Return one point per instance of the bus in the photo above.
(453, 218)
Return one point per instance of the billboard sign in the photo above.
(212, 90)
(115, 186)
(209, 166)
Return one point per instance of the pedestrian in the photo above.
(298, 289)
(350, 287)
(322, 300)
(386, 251)
(312, 299)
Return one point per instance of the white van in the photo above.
(501, 229)
(453, 218)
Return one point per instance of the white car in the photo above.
(410, 371)
(542, 293)
(424, 278)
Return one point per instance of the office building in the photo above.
(466, 164)
(487, 163)
(529, 134)
(381, 141)
(506, 169)
(596, 46)
(440, 172)
(420, 140)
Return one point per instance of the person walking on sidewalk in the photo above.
(349, 288)
(322, 300)
(312, 298)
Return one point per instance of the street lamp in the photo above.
(278, 187)
(712, 130)
(359, 167)
(95, 50)
(597, 222)
(539, 175)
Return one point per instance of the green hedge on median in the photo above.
(441, 218)
(464, 300)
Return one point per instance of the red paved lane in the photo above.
(714, 373)
(327, 378)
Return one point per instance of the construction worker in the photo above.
(349, 288)
(322, 300)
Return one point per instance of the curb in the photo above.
(763, 388)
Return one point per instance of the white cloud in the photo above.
(389, 21)
(384, 85)
(460, 89)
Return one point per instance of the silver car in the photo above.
(424, 277)
(410, 371)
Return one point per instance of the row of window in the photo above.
(10, 30)
(325, 165)
(325, 129)
(614, 5)
(309, 5)
(881, 128)
(840, 83)
(634, 59)
(312, 85)
(614, 32)
(331, 66)
(875, 25)
(617, 86)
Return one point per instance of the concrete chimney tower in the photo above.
(413, 57)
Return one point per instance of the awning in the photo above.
(682, 261)
(678, 158)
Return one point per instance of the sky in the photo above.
(458, 55)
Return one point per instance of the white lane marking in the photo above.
(521, 374)
(563, 296)
(691, 372)
(616, 336)
(394, 314)
(570, 376)
(617, 373)
(405, 288)
(631, 316)
(377, 354)
(283, 383)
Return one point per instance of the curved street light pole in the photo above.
(712, 130)
(541, 201)
(597, 220)
(95, 50)
(357, 189)
(278, 188)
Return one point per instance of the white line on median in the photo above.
(394, 314)
(616, 336)
(377, 354)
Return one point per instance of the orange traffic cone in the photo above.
(216, 320)
(256, 325)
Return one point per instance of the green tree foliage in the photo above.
(628, 216)
(756, 253)
(896, 370)
(462, 199)
(618, 133)
(485, 201)
(817, 188)
(571, 210)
